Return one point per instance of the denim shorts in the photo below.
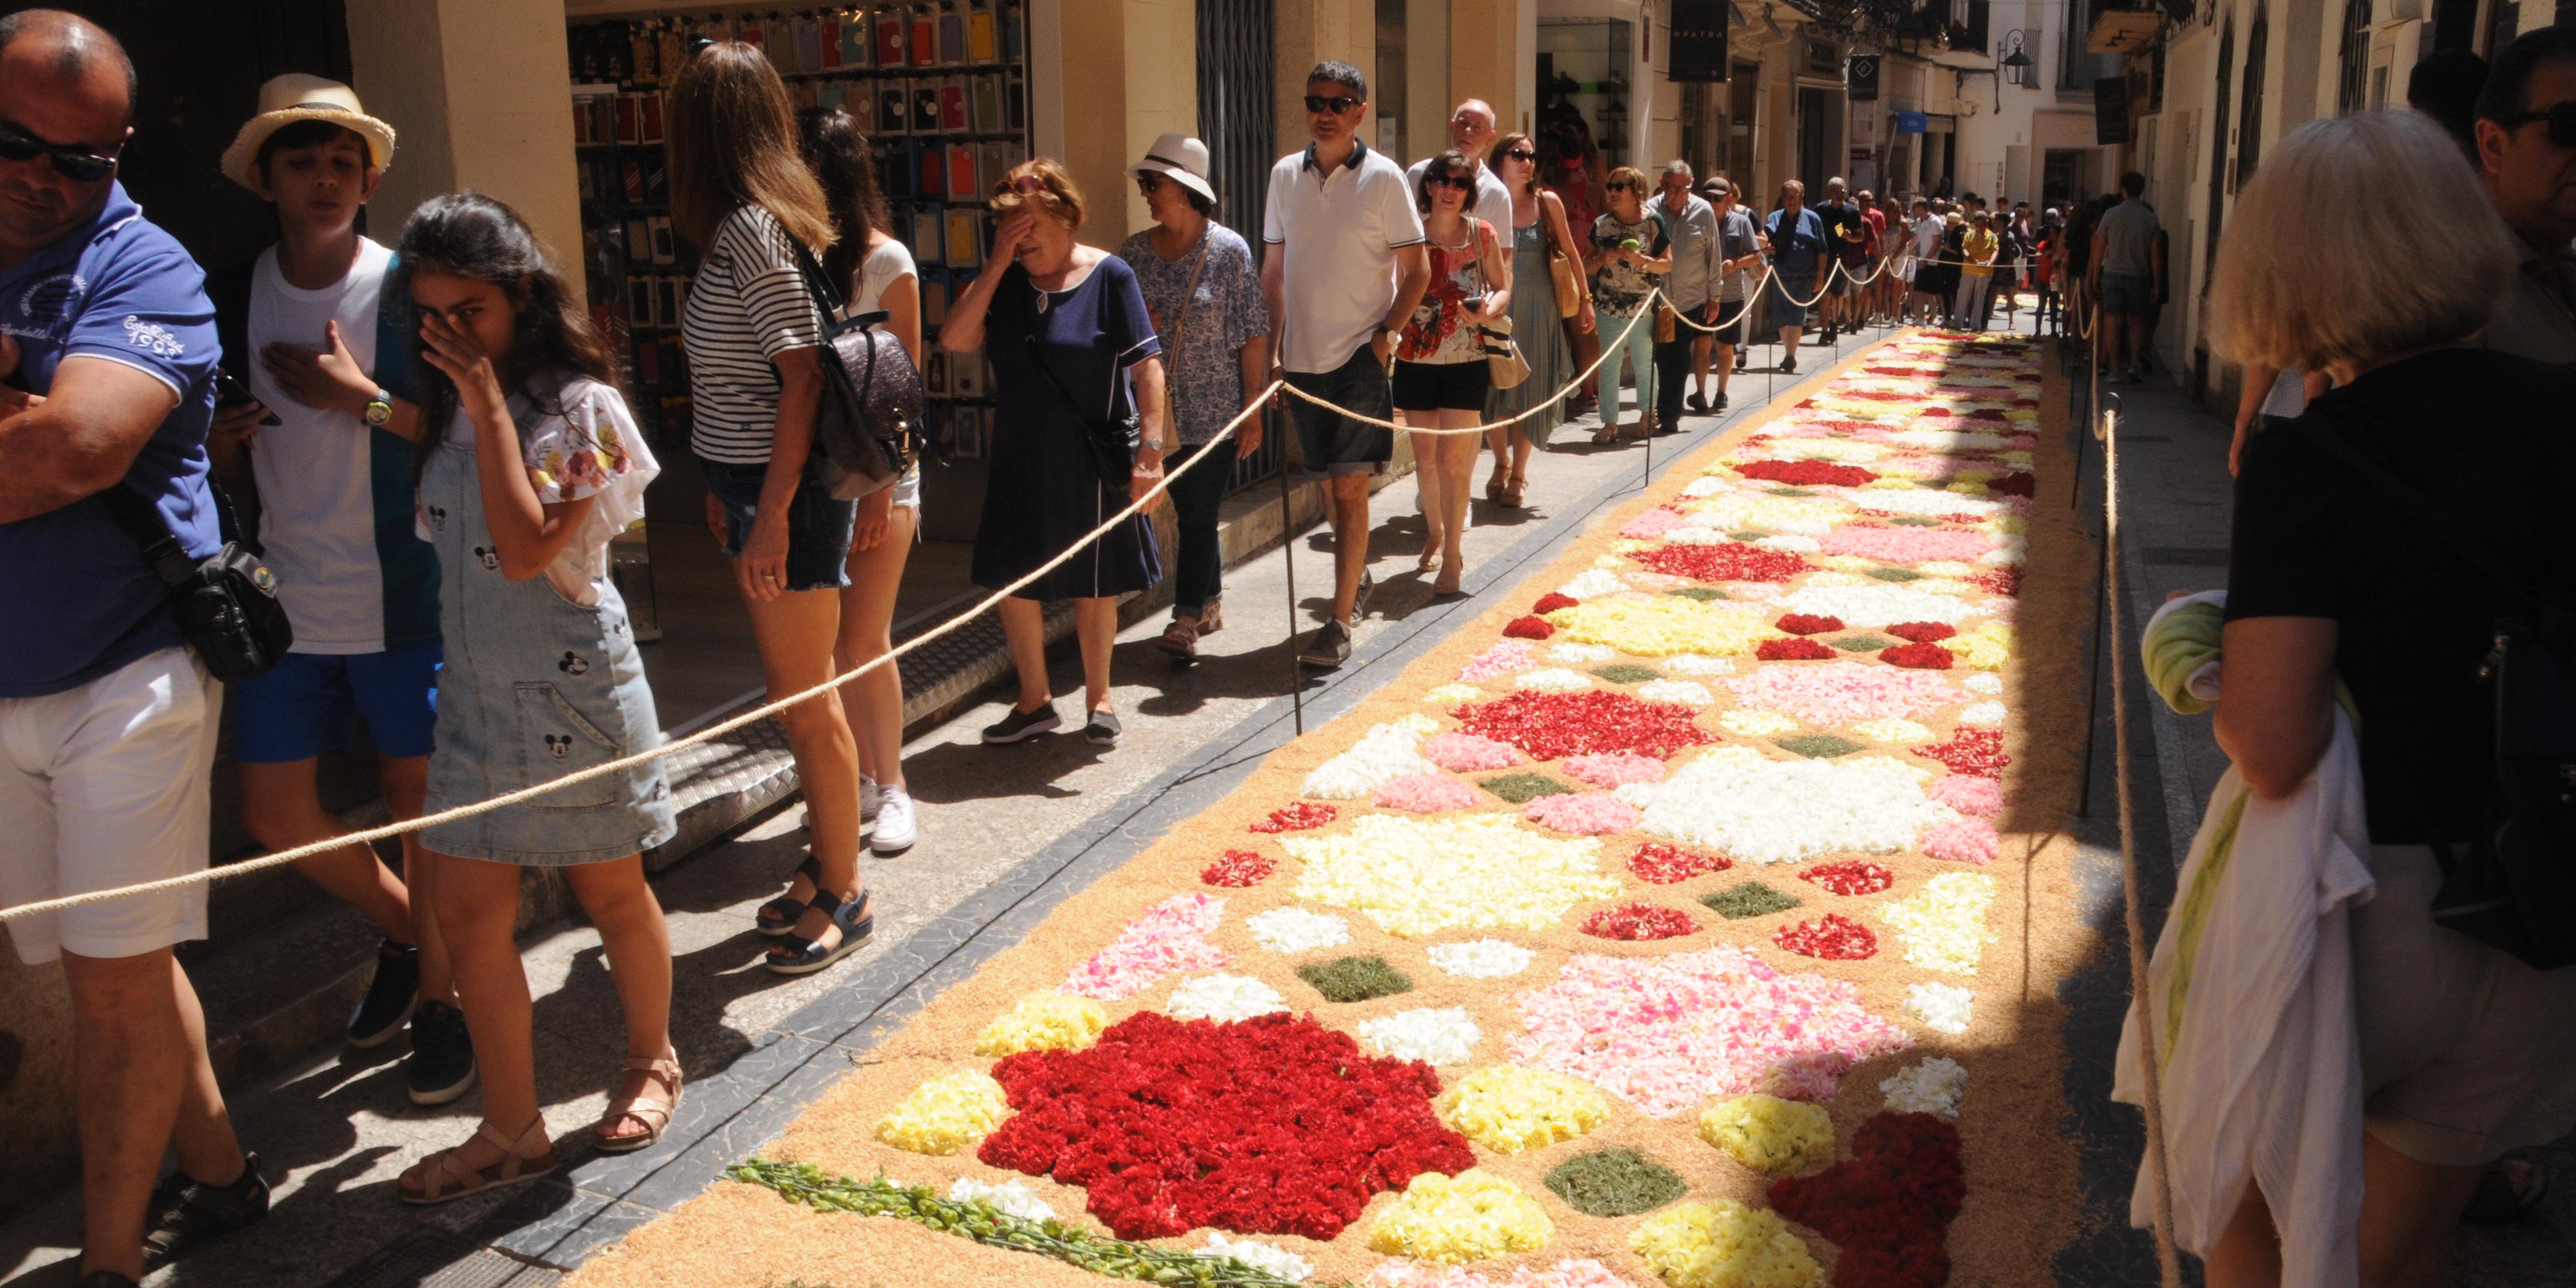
(1781, 310)
(309, 704)
(2127, 295)
(818, 527)
(1335, 443)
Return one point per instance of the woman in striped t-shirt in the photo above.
(754, 340)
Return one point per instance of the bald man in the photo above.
(107, 721)
(1471, 130)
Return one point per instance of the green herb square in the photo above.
(1701, 593)
(1626, 673)
(1355, 979)
(1896, 574)
(1614, 1182)
(1861, 643)
(1818, 746)
(1524, 787)
(1751, 899)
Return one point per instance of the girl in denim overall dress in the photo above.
(530, 465)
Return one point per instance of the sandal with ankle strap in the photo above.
(444, 1177)
(1210, 620)
(779, 915)
(652, 1112)
(1181, 639)
(806, 956)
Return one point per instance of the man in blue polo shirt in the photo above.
(1799, 264)
(107, 722)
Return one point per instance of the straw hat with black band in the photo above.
(294, 97)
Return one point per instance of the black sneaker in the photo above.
(1360, 597)
(441, 1066)
(1328, 647)
(1699, 404)
(1718, 408)
(1102, 729)
(1788, 364)
(184, 1215)
(390, 996)
(1019, 724)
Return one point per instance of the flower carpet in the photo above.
(1668, 926)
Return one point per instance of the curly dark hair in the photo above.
(467, 234)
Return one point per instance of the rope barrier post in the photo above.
(1288, 564)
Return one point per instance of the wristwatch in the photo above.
(379, 410)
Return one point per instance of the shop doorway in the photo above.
(1819, 138)
(2061, 180)
(1743, 102)
(1583, 81)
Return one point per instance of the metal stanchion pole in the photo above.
(2093, 683)
(1288, 564)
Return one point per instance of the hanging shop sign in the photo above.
(1913, 123)
(1864, 78)
(1697, 53)
(2110, 110)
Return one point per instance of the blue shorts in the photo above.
(818, 527)
(311, 702)
(1779, 308)
(2127, 295)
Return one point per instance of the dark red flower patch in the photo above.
(1530, 628)
(1923, 632)
(1272, 1125)
(1999, 581)
(1639, 921)
(1807, 473)
(1970, 751)
(1943, 412)
(2017, 483)
(1837, 938)
(1808, 624)
(1851, 876)
(1239, 868)
(1551, 726)
(1297, 816)
(1989, 414)
(1793, 649)
(1730, 561)
(1920, 657)
(1664, 864)
(1888, 1206)
(1550, 602)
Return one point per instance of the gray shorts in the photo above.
(1334, 443)
(2466, 1053)
(2127, 295)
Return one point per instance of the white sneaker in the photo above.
(895, 828)
(871, 798)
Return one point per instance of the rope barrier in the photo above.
(2139, 985)
(1138, 506)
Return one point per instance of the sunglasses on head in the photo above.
(71, 160)
(2562, 123)
(1333, 103)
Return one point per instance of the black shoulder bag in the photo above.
(869, 427)
(226, 603)
(1112, 443)
(2514, 887)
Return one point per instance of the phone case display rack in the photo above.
(943, 91)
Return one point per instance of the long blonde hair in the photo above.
(734, 144)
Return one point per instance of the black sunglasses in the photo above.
(1521, 154)
(1618, 186)
(1462, 183)
(1148, 182)
(1335, 104)
(2562, 123)
(71, 160)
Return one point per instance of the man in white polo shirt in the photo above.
(1345, 217)
(1471, 130)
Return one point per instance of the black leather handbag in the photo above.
(226, 603)
(2514, 886)
(869, 428)
(1112, 442)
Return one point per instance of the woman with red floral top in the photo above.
(1440, 373)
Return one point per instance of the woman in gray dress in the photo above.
(1538, 218)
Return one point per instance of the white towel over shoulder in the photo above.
(2252, 990)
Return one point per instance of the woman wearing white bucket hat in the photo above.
(1204, 293)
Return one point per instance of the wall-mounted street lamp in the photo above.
(2017, 62)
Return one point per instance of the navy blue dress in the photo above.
(1044, 494)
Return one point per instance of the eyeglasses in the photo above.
(71, 160)
(1459, 182)
(2562, 123)
(1335, 104)
(1520, 154)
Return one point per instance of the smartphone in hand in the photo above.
(231, 392)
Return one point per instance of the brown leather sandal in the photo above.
(653, 1114)
(1181, 639)
(1210, 620)
(443, 1176)
(1513, 492)
(1494, 487)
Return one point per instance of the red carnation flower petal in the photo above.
(1851, 876)
(1552, 601)
(1921, 657)
(1809, 624)
(1970, 751)
(1793, 649)
(1807, 473)
(1727, 561)
(1297, 816)
(1663, 864)
(1238, 868)
(1551, 726)
(1923, 632)
(1639, 921)
(1530, 628)
(2017, 483)
(1888, 1206)
(1837, 938)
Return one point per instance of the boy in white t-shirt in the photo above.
(327, 437)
